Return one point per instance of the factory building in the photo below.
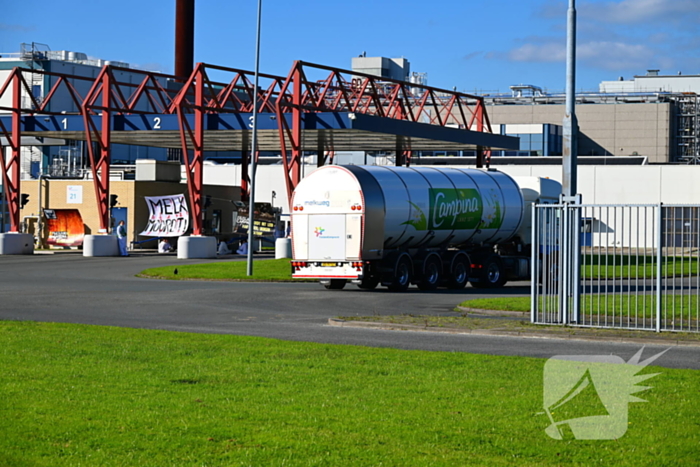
(652, 119)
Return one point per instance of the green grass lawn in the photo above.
(629, 266)
(263, 270)
(88, 395)
(642, 306)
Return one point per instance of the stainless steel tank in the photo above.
(417, 207)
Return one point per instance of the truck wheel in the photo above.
(493, 274)
(368, 283)
(459, 273)
(431, 273)
(335, 284)
(402, 275)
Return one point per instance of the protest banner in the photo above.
(169, 216)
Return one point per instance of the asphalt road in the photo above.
(70, 288)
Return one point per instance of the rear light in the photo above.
(296, 208)
(299, 264)
(477, 266)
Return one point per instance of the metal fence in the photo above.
(620, 266)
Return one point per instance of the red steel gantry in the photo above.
(287, 98)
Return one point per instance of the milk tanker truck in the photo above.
(432, 227)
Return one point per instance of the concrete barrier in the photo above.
(196, 247)
(100, 245)
(13, 243)
(283, 248)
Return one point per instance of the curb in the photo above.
(502, 333)
(480, 311)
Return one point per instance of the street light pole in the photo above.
(254, 143)
(569, 155)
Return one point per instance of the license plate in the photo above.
(328, 265)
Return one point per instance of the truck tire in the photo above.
(335, 284)
(492, 275)
(368, 283)
(401, 278)
(432, 266)
(459, 273)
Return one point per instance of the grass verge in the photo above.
(88, 395)
(618, 307)
(595, 266)
(269, 270)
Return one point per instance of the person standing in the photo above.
(121, 239)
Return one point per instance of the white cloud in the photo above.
(16, 28)
(641, 11)
(607, 55)
(615, 55)
(472, 55)
(543, 52)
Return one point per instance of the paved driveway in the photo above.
(74, 289)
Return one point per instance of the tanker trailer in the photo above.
(396, 226)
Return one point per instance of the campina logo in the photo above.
(587, 396)
(452, 208)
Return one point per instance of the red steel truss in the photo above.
(113, 95)
(10, 168)
(349, 91)
(108, 96)
(25, 103)
(340, 91)
(200, 95)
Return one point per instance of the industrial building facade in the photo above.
(660, 127)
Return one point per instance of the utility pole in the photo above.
(570, 150)
(570, 245)
(253, 152)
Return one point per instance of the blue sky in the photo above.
(482, 46)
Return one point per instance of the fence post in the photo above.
(659, 256)
(576, 260)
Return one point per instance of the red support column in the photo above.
(10, 169)
(194, 165)
(245, 177)
(292, 165)
(295, 168)
(100, 164)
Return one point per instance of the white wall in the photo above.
(598, 184)
(642, 184)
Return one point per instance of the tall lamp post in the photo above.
(254, 144)
(570, 148)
